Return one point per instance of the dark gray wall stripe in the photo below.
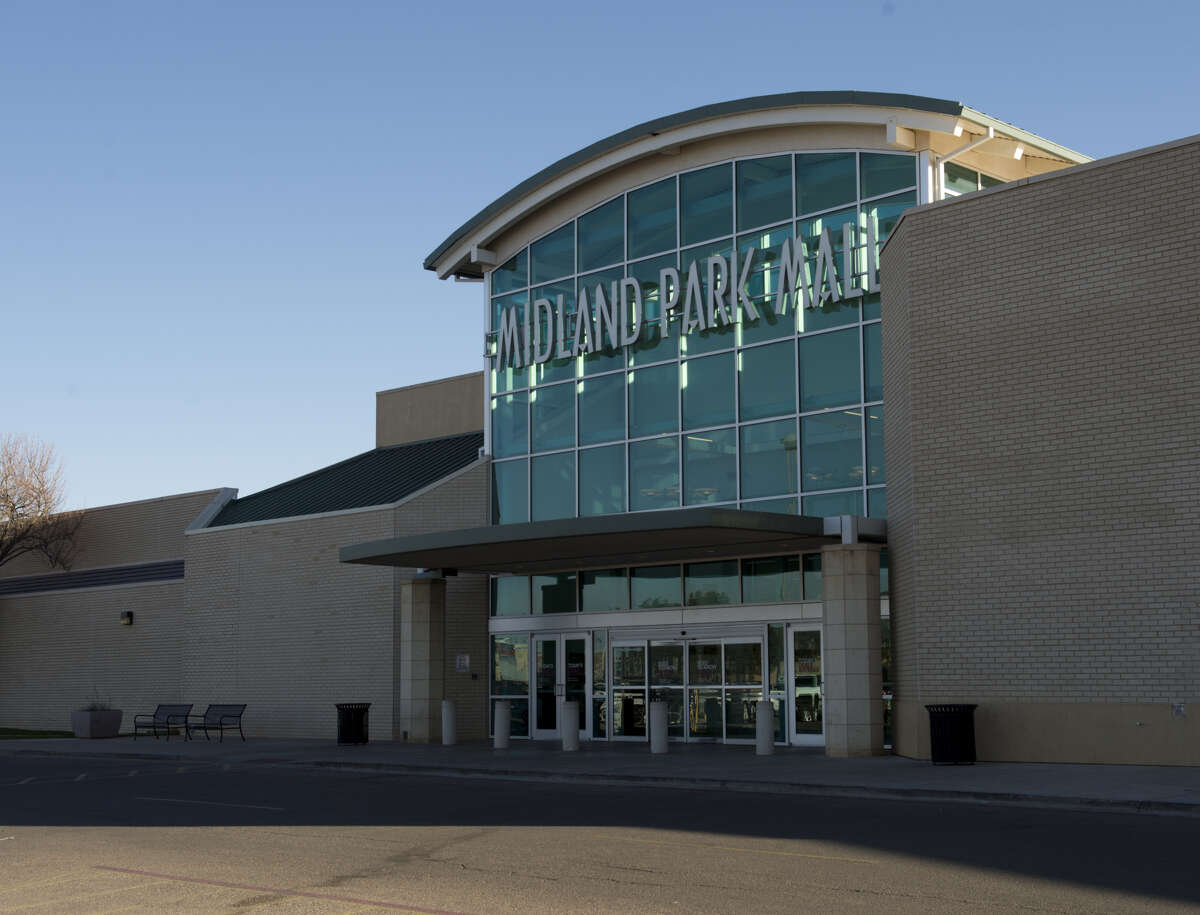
(168, 570)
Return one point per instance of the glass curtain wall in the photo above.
(783, 413)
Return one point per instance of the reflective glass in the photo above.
(705, 714)
(556, 369)
(829, 372)
(833, 503)
(629, 665)
(602, 235)
(601, 590)
(652, 219)
(787, 506)
(831, 314)
(666, 665)
(960, 180)
(629, 713)
(654, 474)
(885, 172)
(873, 361)
(510, 664)
(510, 595)
(811, 563)
(553, 486)
(711, 583)
(776, 659)
(766, 381)
(651, 345)
(510, 425)
(674, 699)
(655, 587)
(875, 463)
(606, 358)
(510, 492)
(831, 451)
(704, 664)
(883, 575)
(653, 400)
(552, 417)
(811, 229)
(762, 285)
(719, 335)
(508, 378)
(877, 503)
(774, 579)
(707, 391)
(710, 467)
(871, 306)
(554, 593)
(988, 180)
(512, 274)
(600, 657)
(743, 664)
(705, 204)
(764, 191)
(884, 214)
(602, 480)
(553, 256)
(824, 181)
(741, 713)
(769, 458)
(601, 409)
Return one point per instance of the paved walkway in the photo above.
(1144, 789)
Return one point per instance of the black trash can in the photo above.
(952, 734)
(352, 722)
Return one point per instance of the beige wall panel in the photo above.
(1043, 443)
(62, 650)
(128, 533)
(448, 406)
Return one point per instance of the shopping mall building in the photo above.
(673, 479)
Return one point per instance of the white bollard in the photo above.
(570, 726)
(658, 727)
(449, 723)
(764, 722)
(503, 724)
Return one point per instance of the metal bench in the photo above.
(218, 718)
(165, 716)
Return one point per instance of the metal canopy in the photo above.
(609, 541)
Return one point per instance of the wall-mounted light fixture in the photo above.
(126, 617)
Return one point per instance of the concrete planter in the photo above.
(106, 723)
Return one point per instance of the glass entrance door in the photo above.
(561, 674)
(806, 681)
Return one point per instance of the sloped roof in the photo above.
(377, 477)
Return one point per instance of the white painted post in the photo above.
(449, 723)
(764, 723)
(503, 724)
(658, 727)
(570, 726)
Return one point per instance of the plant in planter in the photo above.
(96, 719)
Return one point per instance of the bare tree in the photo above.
(31, 494)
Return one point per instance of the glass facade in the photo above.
(778, 413)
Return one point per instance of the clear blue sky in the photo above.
(213, 215)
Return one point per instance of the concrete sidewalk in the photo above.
(1126, 789)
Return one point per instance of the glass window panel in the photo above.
(629, 665)
(602, 235)
(989, 181)
(772, 580)
(883, 575)
(674, 699)
(764, 191)
(556, 369)
(553, 486)
(510, 492)
(651, 345)
(652, 219)
(706, 204)
(602, 480)
(704, 664)
(873, 361)
(510, 425)
(762, 285)
(741, 713)
(711, 583)
(769, 464)
(831, 314)
(710, 467)
(829, 370)
(871, 306)
(705, 714)
(877, 503)
(884, 214)
(766, 381)
(510, 664)
(629, 713)
(824, 181)
(512, 274)
(829, 504)
(599, 717)
(600, 661)
(811, 229)
(600, 590)
(812, 575)
(707, 386)
(552, 417)
(787, 506)
(553, 256)
(655, 587)
(743, 664)
(653, 400)
(508, 378)
(721, 336)
(606, 358)
(884, 172)
(875, 461)
(960, 180)
(554, 593)
(654, 474)
(601, 409)
(510, 596)
(831, 451)
(666, 665)
(776, 659)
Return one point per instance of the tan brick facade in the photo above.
(1043, 454)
